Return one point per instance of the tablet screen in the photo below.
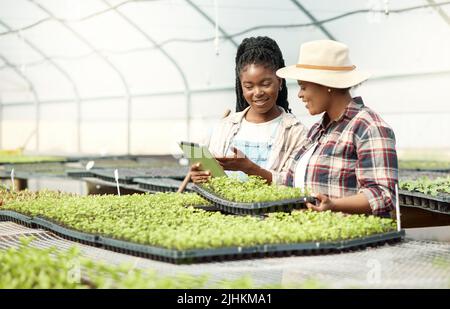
(200, 154)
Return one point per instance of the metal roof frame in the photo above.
(92, 47)
(313, 19)
(170, 58)
(211, 21)
(35, 99)
(64, 73)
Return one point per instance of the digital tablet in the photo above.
(200, 154)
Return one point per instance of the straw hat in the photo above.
(324, 62)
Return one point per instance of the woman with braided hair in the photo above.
(262, 137)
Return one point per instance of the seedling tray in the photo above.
(9, 215)
(161, 184)
(68, 233)
(416, 174)
(101, 182)
(258, 251)
(34, 170)
(127, 175)
(432, 170)
(9, 162)
(440, 203)
(206, 255)
(253, 208)
(79, 173)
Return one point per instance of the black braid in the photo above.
(264, 51)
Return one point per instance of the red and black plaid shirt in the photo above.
(355, 154)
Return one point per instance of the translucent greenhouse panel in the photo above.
(202, 129)
(48, 82)
(107, 109)
(58, 137)
(16, 51)
(58, 128)
(405, 101)
(18, 125)
(406, 94)
(157, 136)
(112, 33)
(203, 68)
(197, 60)
(369, 9)
(148, 72)
(390, 45)
(13, 88)
(207, 111)
(169, 20)
(212, 105)
(158, 123)
(73, 9)
(103, 128)
(94, 77)
(412, 134)
(236, 15)
(169, 107)
(20, 13)
(445, 9)
(55, 41)
(243, 19)
(104, 137)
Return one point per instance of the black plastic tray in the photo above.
(258, 251)
(206, 255)
(439, 204)
(115, 157)
(161, 184)
(79, 173)
(126, 175)
(67, 233)
(32, 162)
(432, 170)
(26, 175)
(416, 174)
(252, 208)
(36, 170)
(9, 215)
(207, 208)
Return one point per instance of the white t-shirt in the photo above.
(257, 132)
(302, 164)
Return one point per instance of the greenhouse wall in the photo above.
(111, 77)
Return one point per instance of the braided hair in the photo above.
(264, 51)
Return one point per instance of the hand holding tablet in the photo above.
(200, 154)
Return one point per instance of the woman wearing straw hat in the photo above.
(349, 160)
(263, 136)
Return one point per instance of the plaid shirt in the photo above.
(355, 154)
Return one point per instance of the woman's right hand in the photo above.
(198, 176)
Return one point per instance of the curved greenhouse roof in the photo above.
(137, 76)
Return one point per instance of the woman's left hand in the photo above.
(237, 162)
(325, 203)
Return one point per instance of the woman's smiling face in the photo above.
(315, 97)
(260, 87)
